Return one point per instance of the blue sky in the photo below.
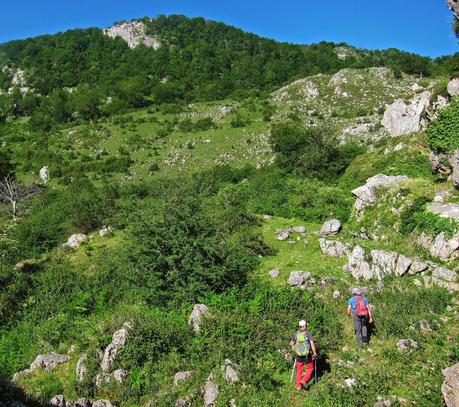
(421, 26)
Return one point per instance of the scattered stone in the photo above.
(399, 146)
(267, 217)
(181, 402)
(48, 361)
(210, 391)
(180, 377)
(350, 383)
(418, 267)
(298, 278)
(454, 161)
(105, 231)
(44, 174)
(383, 402)
(367, 194)
(229, 372)
(440, 247)
(336, 294)
(119, 375)
(440, 164)
(407, 345)
(299, 229)
(81, 368)
(402, 118)
(199, 310)
(274, 273)
(283, 234)
(75, 240)
(333, 248)
(118, 342)
(450, 386)
(57, 401)
(331, 227)
(102, 403)
(424, 326)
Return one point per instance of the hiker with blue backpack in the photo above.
(359, 307)
(303, 345)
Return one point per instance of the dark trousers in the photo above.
(361, 329)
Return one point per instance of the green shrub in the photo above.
(443, 133)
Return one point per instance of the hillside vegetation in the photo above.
(195, 177)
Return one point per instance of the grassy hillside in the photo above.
(195, 190)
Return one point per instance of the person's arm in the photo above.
(292, 341)
(349, 311)
(314, 350)
(370, 315)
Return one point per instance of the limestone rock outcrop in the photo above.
(450, 386)
(134, 33)
(196, 316)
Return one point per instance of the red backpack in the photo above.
(361, 309)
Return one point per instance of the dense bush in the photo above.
(443, 133)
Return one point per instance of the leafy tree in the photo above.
(443, 133)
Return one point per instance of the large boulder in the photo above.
(284, 234)
(453, 85)
(199, 311)
(440, 164)
(407, 345)
(440, 246)
(118, 342)
(444, 274)
(333, 248)
(445, 210)
(75, 240)
(450, 386)
(331, 227)
(48, 361)
(57, 401)
(378, 264)
(367, 194)
(298, 278)
(403, 118)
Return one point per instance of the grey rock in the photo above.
(336, 294)
(48, 361)
(441, 246)
(440, 164)
(350, 382)
(454, 161)
(284, 234)
(424, 326)
(181, 402)
(118, 341)
(402, 118)
(44, 174)
(445, 210)
(298, 278)
(134, 33)
(407, 345)
(119, 375)
(81, 403)
(333, 248)
(367, 194)
(274, 273)
(358, 266)
(180, 377)
(229, 371)
(453, 85)
(444, 274)
(450, 386)
(105, 231)
(418, 267)
(383, 402)
(267, 217)
(211, 391)
(299, 229)
(196, 316)
(57, 401)
(81, 368)
(75, 240)
(330, 227)
(102, 403)
(403, 265)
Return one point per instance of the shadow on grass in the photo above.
(14, 396)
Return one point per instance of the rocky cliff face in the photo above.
(134, 33)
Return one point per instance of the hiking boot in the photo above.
(305, 386)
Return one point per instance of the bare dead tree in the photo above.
(13, 192)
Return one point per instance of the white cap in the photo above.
(302, 323)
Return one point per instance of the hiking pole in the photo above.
(293, 371)
(315, 370)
